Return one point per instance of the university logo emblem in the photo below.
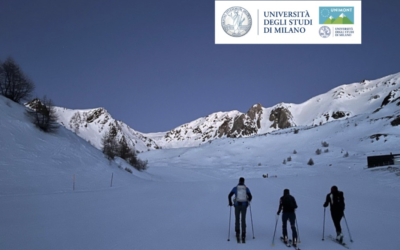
(336, 15)
(236, 21)
(324, 31)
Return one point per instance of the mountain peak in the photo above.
(344, 101)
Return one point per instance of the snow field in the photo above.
(181, 201)
(195, 215)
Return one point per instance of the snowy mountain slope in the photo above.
(51, 159)
(339, 103)
(92, 124)
(180, 202)
(360, 136)
(342, 102)
(346, 101)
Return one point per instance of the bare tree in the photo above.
(43, 114)
(14, 84)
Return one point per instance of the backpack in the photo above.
(241, 193)
(288, 203)
(337, 201)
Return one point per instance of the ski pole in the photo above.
(298, 232)
(351, 240)
(276, 223)
(251, 216)
(229, 229)
(323, 227)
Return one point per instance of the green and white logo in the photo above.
(336, 15)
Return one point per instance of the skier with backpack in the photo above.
(241, 201)
(336, 200)
(287, 204)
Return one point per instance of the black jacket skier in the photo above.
(336, 200)
(288, 205)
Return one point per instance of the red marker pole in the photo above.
(112, 176)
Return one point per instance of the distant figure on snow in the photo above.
(288, 205)
(241, 201)
(336, 200)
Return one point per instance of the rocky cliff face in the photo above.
(281, 118)
(243, 124)
(231, 124)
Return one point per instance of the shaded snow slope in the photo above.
(32, 161)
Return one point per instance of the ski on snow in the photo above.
(338, 242)
(289, 244)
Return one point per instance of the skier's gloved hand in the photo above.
(230, 203)
(278, 213)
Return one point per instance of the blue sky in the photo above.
(154, 64)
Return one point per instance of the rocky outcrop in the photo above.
(255, 113)
(281, 118)
(239, 127)
(224, 129)
(95, 114)
(243, 124)
(221, 124)
(339, 114)
(34, 104)
(82, 119)
(396, 121)
(393, 96)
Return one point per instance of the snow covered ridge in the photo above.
(342, 102)
(339, 103)
(92, 124)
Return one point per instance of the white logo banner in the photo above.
(288, 22)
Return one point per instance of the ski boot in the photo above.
(339, 238)
(294, 243)
(238, 238)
